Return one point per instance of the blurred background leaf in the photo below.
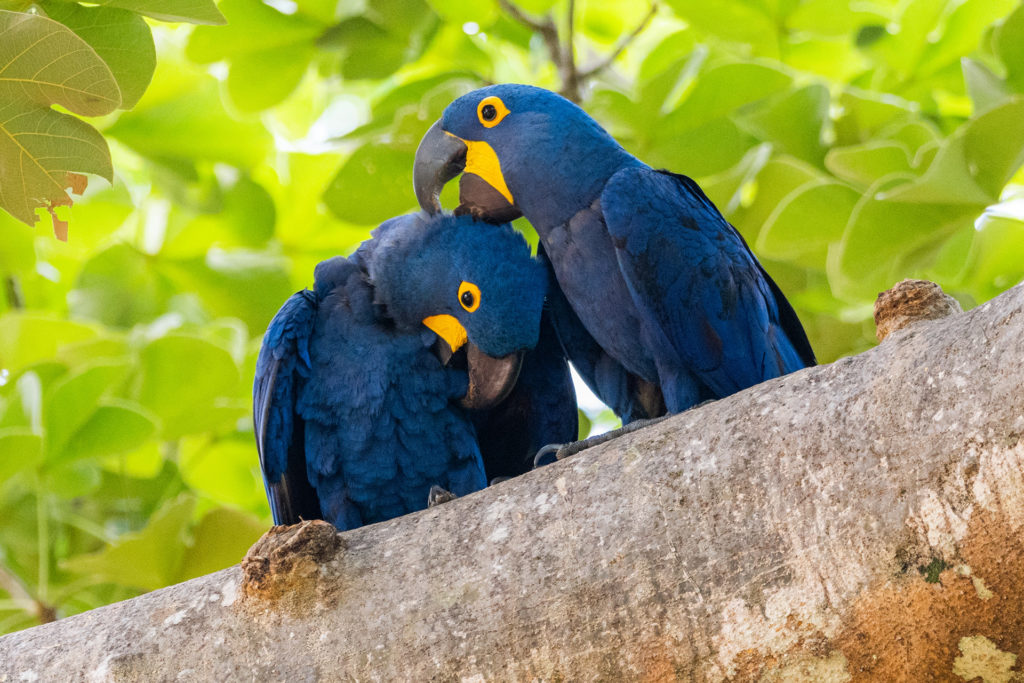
(853, 145)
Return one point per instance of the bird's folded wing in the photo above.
(697, 284)
(282, 364)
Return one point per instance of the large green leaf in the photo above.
(376, 171)
(225, 469)
(116, 427)
(27, 338)
(191, 11)
(188, 406)
(43, 63)
(147, 559)
(34, 67)
(121, 38)
(268, 51)
(73, 401)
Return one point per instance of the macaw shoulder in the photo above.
(639, 199)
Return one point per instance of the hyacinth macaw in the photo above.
(365, 384)
(662, 304)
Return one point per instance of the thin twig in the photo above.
(570, 76)
(621, 47)
(15, 299)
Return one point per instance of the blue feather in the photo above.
(356, 417)
(665, 304)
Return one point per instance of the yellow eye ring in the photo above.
(469, 296)
(491, 111)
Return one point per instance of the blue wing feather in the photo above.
(711, 311)
(282, 366)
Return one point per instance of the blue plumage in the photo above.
(356, 417)
(664, 304)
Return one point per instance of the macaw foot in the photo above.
(561, 451)
(439, 495)
(498, 480)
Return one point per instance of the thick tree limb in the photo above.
(861, 519)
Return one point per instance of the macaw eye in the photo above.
(469, 296)
(491, 111)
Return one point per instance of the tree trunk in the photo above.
(855, 521)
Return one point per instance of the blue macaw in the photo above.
(365, 384)
(662, 304)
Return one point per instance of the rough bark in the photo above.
(860, 520)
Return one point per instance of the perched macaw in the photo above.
(664, 304)
(365, 384)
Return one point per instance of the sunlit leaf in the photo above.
(20, 449)
(376, 171)
(49, 149)
(26, 338)
(225, 469)
(865, 164)
(116, 427)
(73, 401)
(185, 407)
(191, 11)
(121, 38)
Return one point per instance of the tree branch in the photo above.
(621, 47)
(563, 54)
(861, 519)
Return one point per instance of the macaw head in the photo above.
(477, 289)
(522, 150)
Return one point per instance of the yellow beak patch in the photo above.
(449, 329)
(482, 160)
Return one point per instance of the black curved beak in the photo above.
(490, 379)
(439, 158)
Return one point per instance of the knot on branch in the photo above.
(909, 302)
(287, 559)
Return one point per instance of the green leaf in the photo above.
(26, 338)
(192, 406)
(225, 469)
(777, 179)
(119, 287)
(45, 146)
(865, 164)
(268, 51)
(253, 27)
(793, 121)
(36, 69)
(74, 399)
(242, 284)
(963, 28)
(191, 11)
(20, 448)
(121, 38)
(221, 539)
(42, 63)
(735, 20)
(995, 255)
(377, 171)
(147, 559)
(984, 88)
(824, 205)
(182, 119)
(1009, 45)
(116, 427)
(389, 34)
(719, 92)
(975, 163)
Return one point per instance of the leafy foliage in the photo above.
(853, 145)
